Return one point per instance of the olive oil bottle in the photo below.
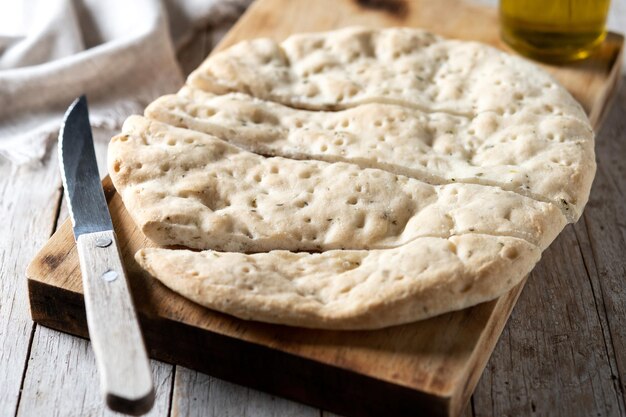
(554, 30)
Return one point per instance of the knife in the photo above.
(121, 358)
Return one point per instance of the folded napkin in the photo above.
(121, 53)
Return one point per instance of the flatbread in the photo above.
(353, 179)
(415, 69)
(547, 157)
(212, 195)
(352, 66)
(348, 289)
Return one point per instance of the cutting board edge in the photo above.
(487, 342)
(44, 297)
(73, 321)
(614, 81)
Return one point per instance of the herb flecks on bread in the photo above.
(354, 179)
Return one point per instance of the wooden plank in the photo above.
(551, 359)
(468, 412)
(494, 382)
(52, 350)
(368, 355)
(31, 213)
(498, 391)
(584, 242)
(200, 395)
(62, 379)
(370, 365)
(606, 228)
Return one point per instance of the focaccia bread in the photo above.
(187, 188)
(414, 68)
(534, 152)
(353, 179)
(348, 289)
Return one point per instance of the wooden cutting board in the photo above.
(429, 367)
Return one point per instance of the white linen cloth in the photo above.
(121, 53)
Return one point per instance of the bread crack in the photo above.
(521, 118)
(353, 179)
(219, 196)
(347, 289)
(433, 147)
(335, 108)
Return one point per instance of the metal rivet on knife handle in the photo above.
(103, 242)
(109, 276)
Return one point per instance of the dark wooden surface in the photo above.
(561, 353)
(564, 350)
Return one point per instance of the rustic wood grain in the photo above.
(28, 214)
(50, 352)
(553, 361)
(200, 395)
(468, 412)
(449, 382)
(553, 378)
(62, 380)
(605, 221)
(532, 313)
(420, 356)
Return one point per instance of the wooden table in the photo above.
(563, 351)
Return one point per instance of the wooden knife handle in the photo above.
(121, 358)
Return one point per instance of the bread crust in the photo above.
(354, 179)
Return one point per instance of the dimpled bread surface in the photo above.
(353, 179)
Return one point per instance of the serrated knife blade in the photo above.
(121, 358)
(87, 204)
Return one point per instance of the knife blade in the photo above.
(121, 358)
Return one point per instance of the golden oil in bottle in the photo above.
(554, 30)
